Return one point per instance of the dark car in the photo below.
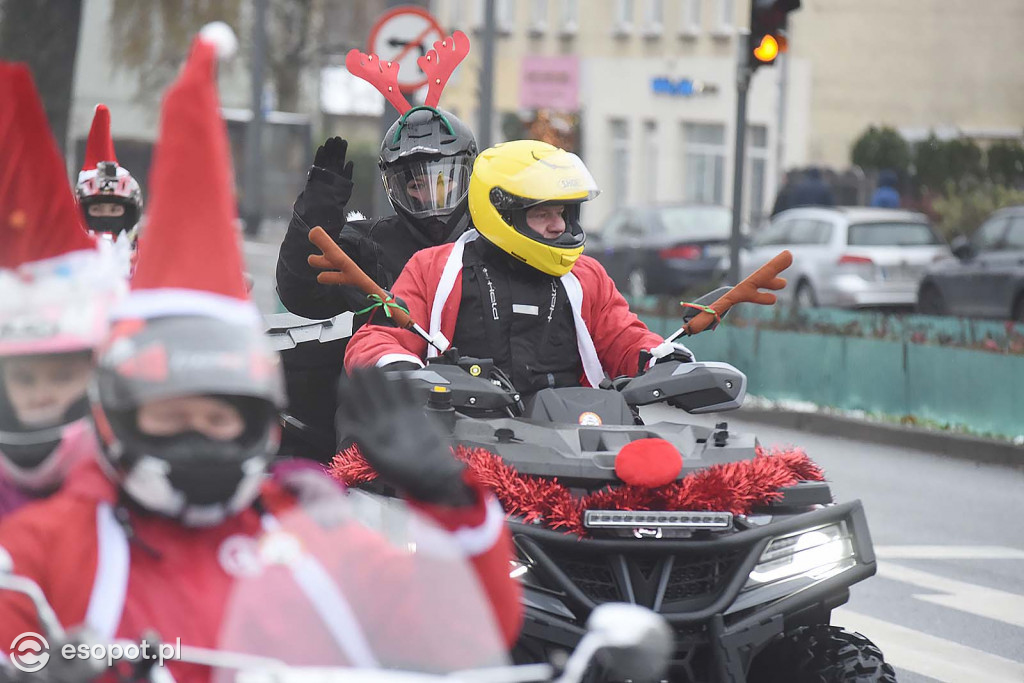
(986, 279)
(662, 249)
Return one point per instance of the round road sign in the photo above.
(404, 35)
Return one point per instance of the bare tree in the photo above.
(44, 34)
(151, 38)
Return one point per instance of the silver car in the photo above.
(849, 257)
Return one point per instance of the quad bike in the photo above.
(308, 611)
(749, 594)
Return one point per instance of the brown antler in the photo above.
(380, 74)
(341, 270)
(767, 277)
(439, 63)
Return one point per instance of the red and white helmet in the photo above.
(110, 197)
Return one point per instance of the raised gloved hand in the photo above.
(398, 439)
(330, 158)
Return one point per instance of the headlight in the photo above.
(815, 553)
(517, 569)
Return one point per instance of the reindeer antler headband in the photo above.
(438, 65)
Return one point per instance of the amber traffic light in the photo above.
(767, 30)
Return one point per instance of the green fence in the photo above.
(948, 371)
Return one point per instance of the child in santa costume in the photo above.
(110, 197)
(157, 535)
(517, 289)
(55, 288)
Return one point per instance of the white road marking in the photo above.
(948, 552)
(960, 595)
(943, 660)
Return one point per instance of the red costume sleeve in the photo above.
(619, 336)
(373, 344)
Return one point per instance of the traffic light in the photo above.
(768, 30)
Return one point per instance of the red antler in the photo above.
(439, 63)
(382, 75)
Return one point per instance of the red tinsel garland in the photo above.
(734, 487)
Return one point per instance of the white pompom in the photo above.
(221, 37)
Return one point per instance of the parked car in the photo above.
(662, 249)
(986, 278)
(849, 257)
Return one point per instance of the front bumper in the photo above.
(715, 641)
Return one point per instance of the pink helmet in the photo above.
(53, 315)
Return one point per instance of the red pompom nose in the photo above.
(649, 463)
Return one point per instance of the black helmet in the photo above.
(425, 160)
(188, 476)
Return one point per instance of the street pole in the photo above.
(743, 74)
(780, 132)
(254, 131)
(484, 134)
(382, 207)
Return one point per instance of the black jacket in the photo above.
(381, 247)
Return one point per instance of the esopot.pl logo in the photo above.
(30, 652)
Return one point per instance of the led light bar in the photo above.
(656, 519)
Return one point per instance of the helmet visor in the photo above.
(557, 177)
(429, 187)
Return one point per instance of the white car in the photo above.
(848, 257)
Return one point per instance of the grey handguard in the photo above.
(699, 387)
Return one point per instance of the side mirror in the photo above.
(631, 643)
(961, 248)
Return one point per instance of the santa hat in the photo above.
(54, 281)
(100, 146)
(189, 256)
(39, 218)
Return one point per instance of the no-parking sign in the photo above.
(404, 35)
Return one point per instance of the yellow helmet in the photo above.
(510, 178)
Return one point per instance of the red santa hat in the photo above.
(189, 256)
(39, 218)
(100, 146)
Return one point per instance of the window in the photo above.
(774, 234)
(613, 226)
(704, 162)
(538, 16)
(691, 19)
(805, 231)
(654, 18)
(650, 161)
(457, 15)
(757, 172)
(504, 15)
(1015, 235)
(990, 234)
(569, 22)
(623, 17)
(891, 235)
(726, 20)
(620, 162)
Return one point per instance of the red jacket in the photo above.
(609, 336)
(179, 581)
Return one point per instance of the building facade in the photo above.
(951, 67)
(655, 94)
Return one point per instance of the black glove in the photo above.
(399, 440)
(330, 159)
